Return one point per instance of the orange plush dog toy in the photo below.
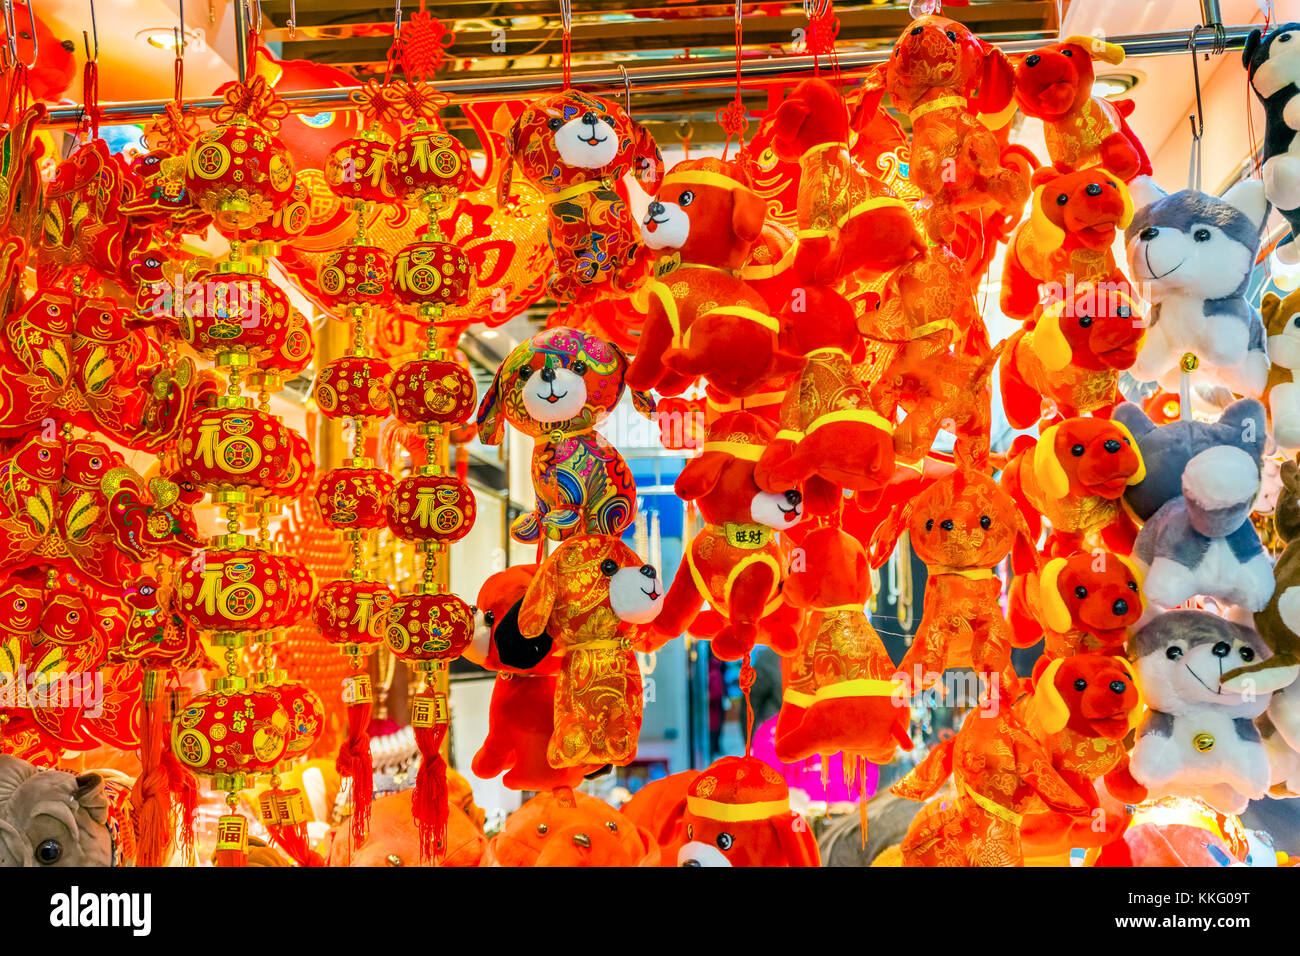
(575, 147)
(1083, 603)
(738, 814)
(735, 562)
(592, 595)
(1054, 84)
(943, 76)
(848, 220)
(570, 828)
(839, 692)
(703, 318)
(1074, 477)
(1072, 222)
(1068, 360)
(521, 716)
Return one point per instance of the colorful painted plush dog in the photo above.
(1080, 604)
(557, 387)
(575, 147)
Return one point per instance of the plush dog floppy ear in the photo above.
(491, 421)
(1099, 49)
(1135, 715)
(1049, 707)
(1055, 614)
(1251, 48)
(700, 476)
(539, 600)
(797, 841)
(997, 82)
(1049, 341)
(748, 211)
(887, 534)
(647, 161)
(1048, 470)
(1141, 472)
(643, 402)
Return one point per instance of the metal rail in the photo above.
(714, 72)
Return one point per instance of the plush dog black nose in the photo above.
(656, 208)
(1112, 445)
(589, 118)
(917, 31)
(582, 840)
(1118, 686)
(1120, 606)
(691, 863)
(548, 375)
(1149, 233)
(1092, 189)
(649, 571)
(794, 497)
(1033, 59)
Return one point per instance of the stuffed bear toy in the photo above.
(1073, 218)
(839, 693)
(738, 814)
(593, 595)
(943, 77)
(703, 319)
(569, 828)
(521, 715)
(1081, 604)
(735, 562)
(1067, 361)
(1198, 737)
(848, 220)
(961, 526)
(575, 147)
(1083, 707)
(557, 387)
(1273, 66)
(1073, 477)
(1054, 83)
(1192, 256)
(52, 818)
(831, 437)
(1194, 501)
(1282, 393)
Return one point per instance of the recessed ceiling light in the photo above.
(488, 334)
(1114, 84)
(164, 38)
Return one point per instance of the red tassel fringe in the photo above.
(429, 803)
(354, 762)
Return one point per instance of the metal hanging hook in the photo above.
(85, 38)
(627, 91)
(11, 34)
(292, 22)
(180, 33)
(1197, 120)
(397, 21)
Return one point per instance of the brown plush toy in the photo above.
(52, 818)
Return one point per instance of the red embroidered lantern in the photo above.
(297, 477)
(356, 168)
(302, 589)
(234, 312)
(239, 174)
(432, 390)
(431, 275)
(429, 628)
(231, 447)
(431, 508)
(355, 277)
(353, 387)
(306, 716)
(354, 496)
(428, 165)
(353, 612)
(236, 591)
(230, 734)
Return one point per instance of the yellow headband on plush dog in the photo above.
(702, 177)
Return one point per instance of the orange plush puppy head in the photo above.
(1083, 208)
(570, 828)
(1094, 695)
(706, 212)
(738, 814)
(394, 840)
(813, 113)
(828, 569)
(1054, 81)
(1087, 457)
(721, 480)
(938, 53)
(1096, 329)
(1100, 593)
(964, 520)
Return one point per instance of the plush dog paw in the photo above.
(735, 640)
(1169, 584)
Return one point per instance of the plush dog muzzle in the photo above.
(636, 594)
(587, 142)
(777, 509)
(701, 854)
(665, 226)
(554, 394)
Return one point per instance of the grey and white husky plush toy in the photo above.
(1191, 256)
(1198, 737)
(1202, 479)
(1273, 65)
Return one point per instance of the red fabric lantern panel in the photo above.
(239, 174)
(355, 276)
(288, 222)
(233, 448)
(429, 627)
(356, 170)
(297, 478)
(353, 498)
(353, 612)
(302, 590)
(428, 160)
(432, 390)
(430, 273)
(231, 732)
(238, 590)
(353, 387)
(236, 313)
(306, 716)
(431, 508)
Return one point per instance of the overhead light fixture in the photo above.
(164, 38)
(1114, 84)
(488, 334)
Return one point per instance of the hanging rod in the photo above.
(699, 73)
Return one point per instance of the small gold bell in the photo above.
(1203, 742)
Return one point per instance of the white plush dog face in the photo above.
(1200, 260)
(1282, 66)
(777, 509)
(586, 142)
(665, 226)
(1284, 349)
(701, 854)
(1184, 673)
(554, 397)
(636, 594)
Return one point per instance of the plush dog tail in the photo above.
(929, 775)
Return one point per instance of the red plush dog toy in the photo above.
(942, 75)
(1083, 603)
(521, 716)
(570, 828)
(1074, 477)
(703, 318)
(849, 221)
(575, 147)
(735, 562)
(1068, 360)
(839, 689)
(1072, 222)
(1054, 84)
(738, 814)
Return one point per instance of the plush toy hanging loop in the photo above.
(1196, 120)
(566, 56)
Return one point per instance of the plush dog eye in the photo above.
(946, 524)
(542, 828)
(489, 618)
(1081, 592)
(1174, 653)
(1296, 321)
(686, 198)
(524, 372)
(1067, 52)
(1201, 235)
(609, 567)
(725, 841)
(555, 123)
(1221, 649)
(613, 827)
(1062, 199)
(1077, 451)
(1123, 312)
(1247, 654)
(951, 36)
(929, 524)
(1080, 684)
(1133, 586)
(1118, 686)
(986, 522)
(50, 851)
(579, 367)
(1085, 321)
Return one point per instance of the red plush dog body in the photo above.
(849, 221)
(1072, 222)
(735, 562)
(1068, 360)
(839, 692)
(1054, 84)
(703, 318)
(1083, 603)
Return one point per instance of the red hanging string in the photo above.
(732, 117)
(566, 55)
(747, 677)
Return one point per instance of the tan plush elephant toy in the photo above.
(52, 818)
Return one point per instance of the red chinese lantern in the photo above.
(231, 732)
(238, 173)
(353, 612)
(353, 387)
(431, 508)
(306, 716)
(233, 447)
(354, 279)
(354, 496)
(431, 275)
(236, 590)
(233, 313)
(432, 390)
(429, 166)
(427, 628)
(297, 477)
(357, 168)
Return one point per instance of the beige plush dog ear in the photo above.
(1098, 48)
(1135, 716)
(643, 402)
(539, 599)
(1048, 471)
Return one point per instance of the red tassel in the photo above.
(293, 841)
(151, 797)
(184, 790)
(429, 802)
(354, 762)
